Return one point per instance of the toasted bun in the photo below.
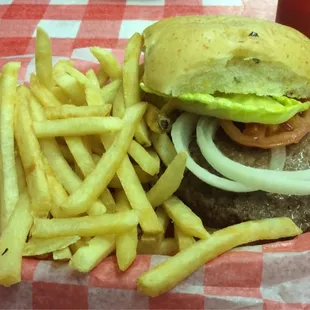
(205, 54)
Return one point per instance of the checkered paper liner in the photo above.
(270, 276)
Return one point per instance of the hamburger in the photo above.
(243, 85)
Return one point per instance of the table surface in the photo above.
(109, 23)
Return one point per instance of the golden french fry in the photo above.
(144, 178)
(96, 145)
(108, 62)
(66, 153)
(131, 83)
(108, 200)
(9, 190)
(137, 198)
(91, 76)
(72, 88)
(109, 91)
(155, 241)
(119, 104)
(169, 107)
(102, 76)
(12, 242)
(95, 183)
(80, 243)
(43, 58)
(79, 76)
(86, 164)
(62, 66)
(92, 90)
(131, 70)
(63, 172)
(169, 182)
(30, 152)
(69, 111)
(156, 120)
(63, 254)
(39, 246)
(21, 179)
(60, 95)
(126, 243)
(77, 126)
(142, 157)
(175, 269)
(185, 218)
(89, 256)
(45, 96)
(168, 246)
(85, 226)
(183, 240)
(164, 147)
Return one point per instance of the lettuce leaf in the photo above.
(239, 107)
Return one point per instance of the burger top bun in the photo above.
(205, 54)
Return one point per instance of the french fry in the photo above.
(92, 90)
(164, 147)
(12, 242)
(30, 152)
(169, 107)
(108, 200)
(9, 191)
(137, 198)
(60, 95)
(119, 104)
(183, 240)
(77, 126)
(72, 88)
(39, 246)
(156, 120)
(46, 97)
(85, 226)
(144, 178)
(185, 218)
(57, 191)
(21, 179)
(96, 182)
(63, 254)
(89, 256)
(168, 246)
(142, 157)
(43, 58)
(96, 145)
(102, 76)
(126, 243)
(109, 91)
(66, 153)
(62, 66)
(175, 269)
(79, 76)
(80, 243)
(131, 83)
(154, 241)
(69, 111)
(108, 62)
(86, 165)
(92, 78)
(169, 182)
(63, 172)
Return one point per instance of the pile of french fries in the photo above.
(88, 170)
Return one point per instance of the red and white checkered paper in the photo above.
(273, 276)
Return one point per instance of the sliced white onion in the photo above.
(278, 158)
(182, 131)
(263, 179)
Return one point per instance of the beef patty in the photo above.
(218, 208)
